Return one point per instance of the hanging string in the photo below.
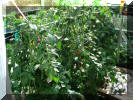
(19, 10)
(31, 25)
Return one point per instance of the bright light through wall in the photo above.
(103, 1)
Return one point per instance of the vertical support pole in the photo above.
(4, 75)
(119, 40)
(42, 4)
(2, 57)
(120, 34)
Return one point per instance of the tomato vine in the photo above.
(73, 48)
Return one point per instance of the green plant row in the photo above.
(73, 50)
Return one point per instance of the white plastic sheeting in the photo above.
(2, 57)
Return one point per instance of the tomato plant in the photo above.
(73, 49)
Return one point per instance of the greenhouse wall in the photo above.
(26, 5)
(35, 2)
(28, 2)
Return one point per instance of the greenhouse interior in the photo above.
(66, 49)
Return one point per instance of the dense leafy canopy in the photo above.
(73, 49)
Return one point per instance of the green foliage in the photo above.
(76, 51)
(96, 2)
(71, 3)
